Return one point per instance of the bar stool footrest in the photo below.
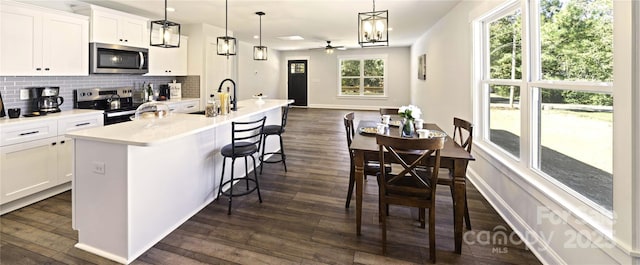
(252, 188)
(272, 161)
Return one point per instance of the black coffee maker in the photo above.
(45, 99)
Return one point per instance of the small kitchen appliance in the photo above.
(45, 99)
(117, 103)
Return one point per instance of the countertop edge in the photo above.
(223, 119)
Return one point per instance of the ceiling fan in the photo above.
(329, 48)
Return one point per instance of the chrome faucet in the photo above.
(235, 97)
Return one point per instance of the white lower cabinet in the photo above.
(27, 168)
(36, 156)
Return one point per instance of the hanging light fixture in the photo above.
(164, 33)
(260, 52)
(226, 45)
(373, 28)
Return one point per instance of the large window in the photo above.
(562, 98)
(362, 76)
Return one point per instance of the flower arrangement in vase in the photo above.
(409, 114)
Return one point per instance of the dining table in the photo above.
(452, 157)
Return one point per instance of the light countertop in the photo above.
(155, 131)
(51, 116)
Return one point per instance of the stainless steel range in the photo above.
(117, 103)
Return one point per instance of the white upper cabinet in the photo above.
(115, 27)
(168, 61)
(38, 41)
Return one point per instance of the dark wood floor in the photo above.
(301, 221)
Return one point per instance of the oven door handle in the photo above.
(121, 113)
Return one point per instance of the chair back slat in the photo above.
(247, 133)
(464, 139)
(389, 111)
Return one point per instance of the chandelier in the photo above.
(373, 28)
(226, 45)
(260, 52)
(164, 33)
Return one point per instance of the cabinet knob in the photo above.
(126, 40)
(54, 143)
(46, 69)
(121, 40)
(62, 142)
(38, 69)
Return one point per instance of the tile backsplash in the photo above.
(10, 85)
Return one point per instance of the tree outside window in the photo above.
(567, 88)
(362, 77)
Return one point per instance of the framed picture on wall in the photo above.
(422, 67)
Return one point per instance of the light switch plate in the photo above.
(24, 94)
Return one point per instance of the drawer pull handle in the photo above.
(27, 133)
(189, 107)
(61, 142)
(54, 143)
(82, 124)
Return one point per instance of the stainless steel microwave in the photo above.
(118, 59)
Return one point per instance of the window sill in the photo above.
(362, 97)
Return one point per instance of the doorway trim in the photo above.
(286, 75)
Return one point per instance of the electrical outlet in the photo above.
(24, 94)
(98, 168)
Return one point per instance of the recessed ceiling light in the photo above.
(256, 36)
(291, 37)
(171, 9)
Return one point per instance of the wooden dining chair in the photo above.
(462, 135)
(409, 187)
(371, 167)
(389, 111)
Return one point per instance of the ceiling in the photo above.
(315, 20)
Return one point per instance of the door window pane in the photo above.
(504, 117)
(576, 132)
(576, 38)
(505, 44)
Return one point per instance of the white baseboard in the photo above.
(534, 242)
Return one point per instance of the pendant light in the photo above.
(226, 44)
(373, 28)
(164, 33)
(260, 52)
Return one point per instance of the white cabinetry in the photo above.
(36, 156)
(115, 27)
(39, 41)
(169, 61)
(184, 105)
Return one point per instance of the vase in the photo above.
(407, 127)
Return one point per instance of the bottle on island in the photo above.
(150, 93)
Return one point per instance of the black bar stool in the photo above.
(275, 130)
(246, 138)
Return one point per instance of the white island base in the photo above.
(135, 182)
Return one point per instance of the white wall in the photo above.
(259, 76)
(534, 212)
(323, 77)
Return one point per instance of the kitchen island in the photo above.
(135, 182)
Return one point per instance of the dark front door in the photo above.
(298, 82)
